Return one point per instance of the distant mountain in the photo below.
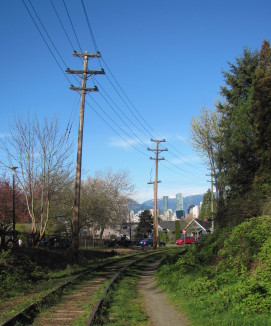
(149, 204)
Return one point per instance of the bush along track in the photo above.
(226, 277)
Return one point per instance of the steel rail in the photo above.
(31, 310)
(98, 306)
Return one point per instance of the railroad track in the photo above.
(75, 300)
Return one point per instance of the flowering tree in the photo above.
(104, 200)
(6, 208)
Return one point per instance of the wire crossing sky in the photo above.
(163, 61)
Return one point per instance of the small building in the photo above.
(198, 227)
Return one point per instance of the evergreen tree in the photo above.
(145, 225)
(237, 157)
(206, 210)
(262, 120)
(177, 230)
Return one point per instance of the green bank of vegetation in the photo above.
(224, 278)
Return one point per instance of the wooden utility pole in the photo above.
(155, 218)
(85, 73)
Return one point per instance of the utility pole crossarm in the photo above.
(94, 89)
(89, 55)
(156, 159)
(89, 72)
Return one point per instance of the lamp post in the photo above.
(13, 168)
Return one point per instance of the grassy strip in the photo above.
(125, 305)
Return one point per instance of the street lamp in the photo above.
(13, 168)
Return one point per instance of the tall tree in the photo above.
(145, 225)
(204, 135)
(261, 107)
(237, 136)
(237, 157)
(42, 155)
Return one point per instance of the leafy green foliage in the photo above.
(226, 275)
(261, 108)
(177, 230)
(126, 305)
(17, 277)
(145, 224)
(206, 207)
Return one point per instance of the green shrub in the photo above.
(227, 273)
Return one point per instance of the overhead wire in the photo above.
(118, 107)
(72, 25)
(108, 116)
(46, 43)
(70, 123)
(101, 117)
(62, 25)
(124, 101)
(97, 50)
(109, 104)
(89, 27)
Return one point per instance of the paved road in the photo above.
(159, 310)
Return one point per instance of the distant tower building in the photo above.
(179, 206)
(165, 203)
(179, 202)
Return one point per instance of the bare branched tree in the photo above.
(42, 155)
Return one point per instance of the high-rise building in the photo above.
(165, 203)
(179, 202)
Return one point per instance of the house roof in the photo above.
(170, 225)
(206, 226)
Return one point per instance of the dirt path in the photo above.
(158, 308)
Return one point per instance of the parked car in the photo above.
(185, 240)
(149, 242)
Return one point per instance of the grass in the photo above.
(224, 279)
(27, 276)
(125, 304)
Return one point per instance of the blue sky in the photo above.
(168, 57)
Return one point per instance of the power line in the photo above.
(108, 116)
(127, 99)
(73, 48)
(123, 120)
(89, 27)
(45, 42)
(72, 25)
(101, 117)
(96, 48)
